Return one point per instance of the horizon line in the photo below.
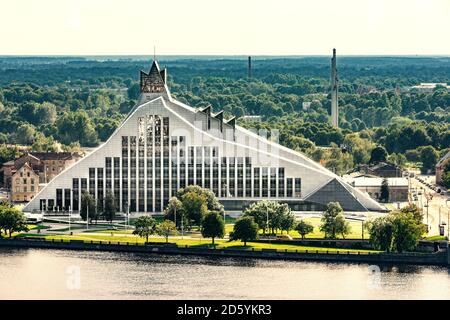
(223, 55)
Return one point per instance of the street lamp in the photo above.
(182, 228)
(87, 215)
(70, 214)
(428, 197)
(175, 214)
(362, 229)
(448, 218)
(126, 214)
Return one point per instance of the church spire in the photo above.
(155, 80)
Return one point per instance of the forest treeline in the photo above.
(65, 103)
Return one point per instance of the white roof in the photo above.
(376, 182)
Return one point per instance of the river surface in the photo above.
(61, 274)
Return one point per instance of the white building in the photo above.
(398, 187)
(429, 87)
(164, 145)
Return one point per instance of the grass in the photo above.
(355, 230)
(436, 238)
(200, 243)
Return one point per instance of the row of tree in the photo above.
(93, 210)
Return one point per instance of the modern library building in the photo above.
(164, 145)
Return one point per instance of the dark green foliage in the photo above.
(212, 203)
(88, 207)
(429, 158)
(271, 215)
(384, 191)
(245, 229)
(109, 211)
(333, 221)
(80, 100)
(175, 212)
(304, 228)
(194, 206)
(144, 226)
(11, 220)
(399, 231)
(213, 226)
(378, 154)
(165, 229)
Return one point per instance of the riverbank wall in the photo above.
(425, 246)
(439, 258)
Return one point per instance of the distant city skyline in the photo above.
(233, 27)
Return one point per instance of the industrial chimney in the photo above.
(334, 92)
(249, 67)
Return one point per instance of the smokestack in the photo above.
(249, 67)
(334, 92)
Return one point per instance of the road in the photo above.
(438, 202)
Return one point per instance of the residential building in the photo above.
(382, 169)
(398, 187)
(39, 168)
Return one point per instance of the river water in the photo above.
(61, 274)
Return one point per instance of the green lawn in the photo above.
(355, 230)
(198, 242)
(436, 238)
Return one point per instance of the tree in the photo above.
(304, 228)
(359, 147)
(77, 126)
(46, 113)
(144, 227)
(45, 144)
(384, 191)
(194, 205)
(166, 228)
(339, 162)
(381, 232)
(429, 158)
(271, 215)
(12, 220)
(342, 226)
(174, 211)
(416, 213)
(212, 203)
(259, 211)
(109, 210)
(407, 232)
(287, 218)
(213, 226)
(333, 221)
(133, 91)
(398, 159)
(398, 231)
(88, 204)
(378, 154)
(245, 229)
(25, 134)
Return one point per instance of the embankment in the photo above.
(441, 258)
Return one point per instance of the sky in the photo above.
(227, 27)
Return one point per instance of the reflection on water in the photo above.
(60, 274)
